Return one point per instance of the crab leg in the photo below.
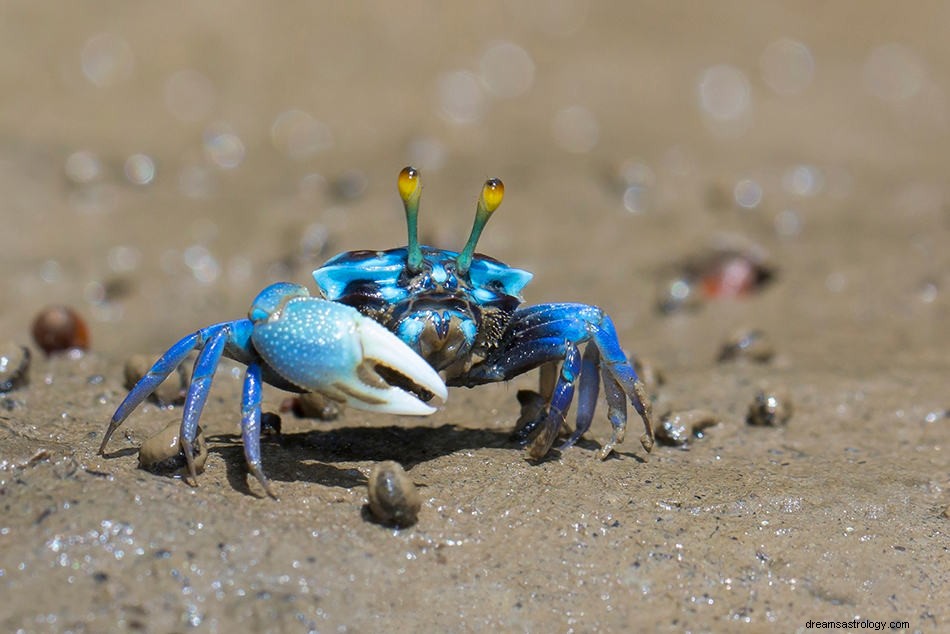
(551, 332)
(165, 365)
(560, 401)
(205, 366)
(588, 387)
(617, 415)
(251, 425)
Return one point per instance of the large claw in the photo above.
(326, 347)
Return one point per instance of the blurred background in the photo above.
(161, 162)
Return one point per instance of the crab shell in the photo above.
(451, 320)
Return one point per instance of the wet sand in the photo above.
(633, 139)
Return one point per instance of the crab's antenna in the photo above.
(410, 190)
(492, 193)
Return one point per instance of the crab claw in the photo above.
(322, 346)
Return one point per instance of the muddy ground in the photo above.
(159, 164)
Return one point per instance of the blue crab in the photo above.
(387, 323)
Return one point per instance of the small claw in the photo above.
(326, 347)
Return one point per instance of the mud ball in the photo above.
(14, 366)
(60, 328)
(393, 498)
(770, 408)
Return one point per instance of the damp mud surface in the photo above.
(159, 166)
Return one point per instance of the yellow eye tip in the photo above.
(408, 183)
(492, 194)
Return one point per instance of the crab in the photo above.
(391, 329)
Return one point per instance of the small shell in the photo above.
(393, 498)
(162, 452)
(312, 405)
(170, 392)
(14, 366)
(677, 428)
(60, 328)
(749, 345)
(770, 408)
(728, 274)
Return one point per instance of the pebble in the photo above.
(770, 408)
(14, 366)
(747, 345)
(60, 328)
(393, 498)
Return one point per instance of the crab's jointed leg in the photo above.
(211, 341)
(553, 332)
(251, 424)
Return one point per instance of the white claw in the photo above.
(321, 346)
(387, 349)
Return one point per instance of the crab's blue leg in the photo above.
(588, 387)
(538, 334)
(560, 401)
(251, 425)
(205, 366)
(615, 362)
(617, 414)
(165, 365)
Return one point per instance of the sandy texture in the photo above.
(838, 153)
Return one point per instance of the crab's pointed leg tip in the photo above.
(258, 474)
(385, 348)
(647, 441)
(113, 425)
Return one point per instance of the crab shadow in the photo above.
(309, 456)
